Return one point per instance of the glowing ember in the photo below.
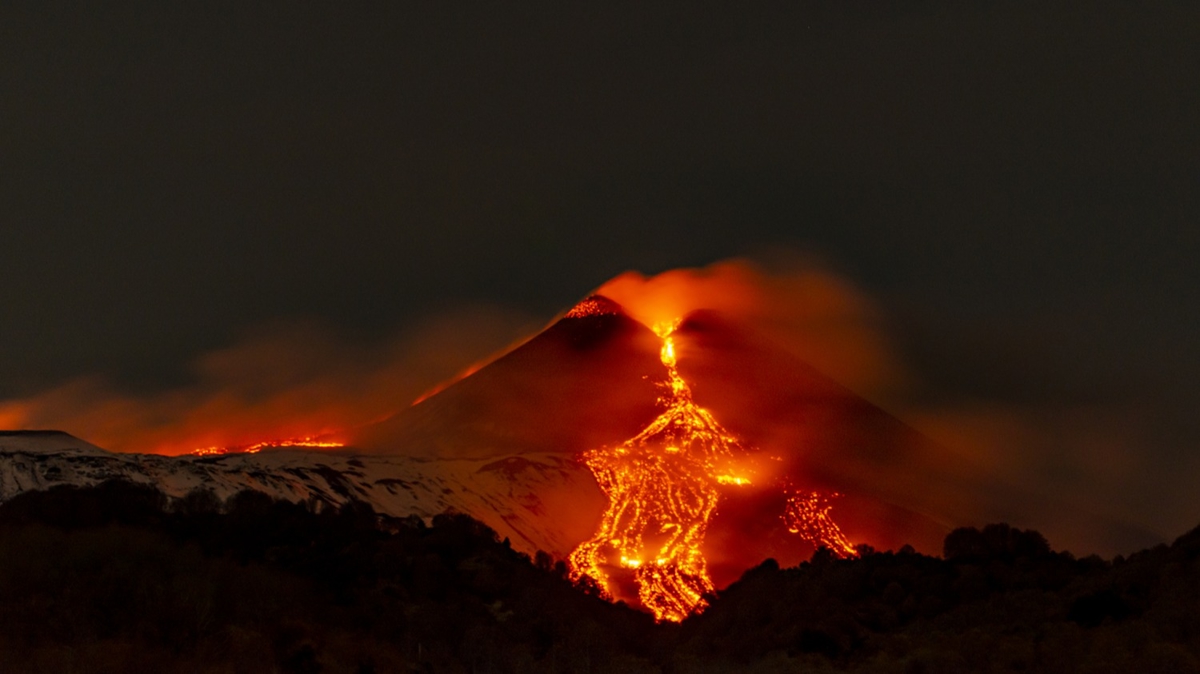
(306, 443)
(595, 305)
(807, 514)
(662, 488)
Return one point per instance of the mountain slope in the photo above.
(45, 442)
(898, 485)
(587, 380)
(513, 495)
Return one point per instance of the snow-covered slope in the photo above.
(522, 497)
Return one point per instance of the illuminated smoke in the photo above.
(279, 383)
(814, 313)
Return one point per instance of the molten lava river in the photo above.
(663, 487)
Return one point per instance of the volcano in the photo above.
(597, 378)
(659, 461)
(585, 381)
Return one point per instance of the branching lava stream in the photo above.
(663, 487)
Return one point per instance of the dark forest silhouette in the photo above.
(118, 578)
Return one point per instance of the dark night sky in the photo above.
(1015, 183)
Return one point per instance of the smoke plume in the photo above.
(1081, 472)
(279, 381)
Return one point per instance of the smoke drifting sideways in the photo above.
(1079, 475)
(279, 381)
(811, 311)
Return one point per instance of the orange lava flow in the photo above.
(807, 514)
(662, 488)
(305, 443)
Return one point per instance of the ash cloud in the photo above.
(278, 381)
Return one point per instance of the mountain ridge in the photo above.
(513, 495)
(595, 354)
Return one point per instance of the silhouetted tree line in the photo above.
(118, 578)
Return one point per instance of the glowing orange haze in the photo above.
(813, 313)
(279, 383)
